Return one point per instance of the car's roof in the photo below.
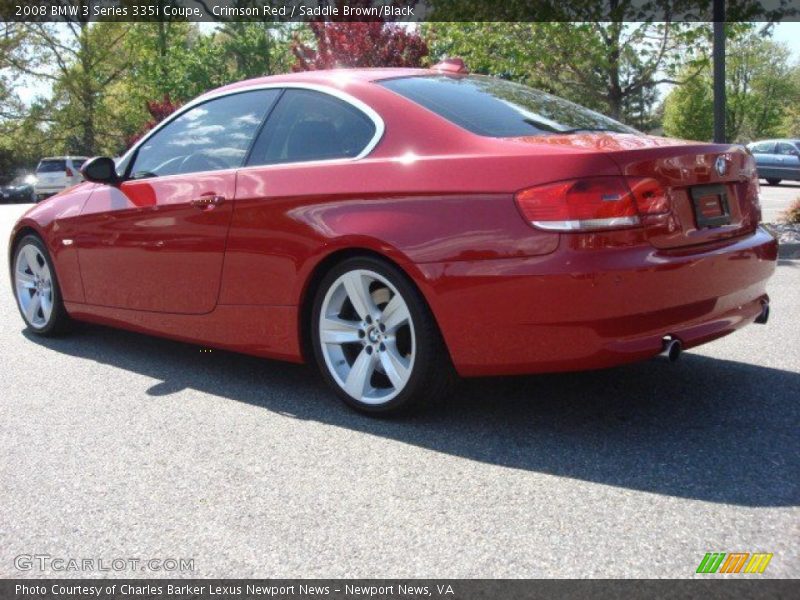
(333, 77)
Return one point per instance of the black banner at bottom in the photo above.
(406, 589)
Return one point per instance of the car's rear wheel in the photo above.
(375, 340)
(36, 288)
(773, 181)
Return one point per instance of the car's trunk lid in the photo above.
(713, 191)
(713, 188)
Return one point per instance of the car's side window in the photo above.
(787, 149)
(308, 125)
(763, 148)
(211, 136)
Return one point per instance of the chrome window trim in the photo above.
(373, 116)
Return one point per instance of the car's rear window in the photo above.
(51, 166)
(496, 108)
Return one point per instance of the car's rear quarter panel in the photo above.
(288, 218)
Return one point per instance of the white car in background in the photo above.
(56, 173)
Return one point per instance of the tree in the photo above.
(257, 48)
(175, 59)
(688, 110)
(759, 87)
(12, 57)
(790, 127)
(358, 44)
(760, 90)
(82, 61)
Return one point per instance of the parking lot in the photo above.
(776, 198)
(119, 445)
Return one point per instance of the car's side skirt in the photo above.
(266, 331)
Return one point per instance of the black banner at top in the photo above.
(395, 10)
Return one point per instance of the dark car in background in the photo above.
(19, 190)
(777, 160)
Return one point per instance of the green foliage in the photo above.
(761, 90)
(12, 59)
(759, 87)
(256, 49)
(82, 62)
(24, 142)
(790, 124)
(173, 59)
(689, 110)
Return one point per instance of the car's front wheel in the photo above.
(773, 181)
(36, 288)
(375, 339)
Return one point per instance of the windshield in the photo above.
(496, 108)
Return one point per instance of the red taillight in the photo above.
(69, 172)
(592, 203)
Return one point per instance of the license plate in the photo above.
(711, 207)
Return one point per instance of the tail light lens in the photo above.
(592, 203)
(69, 172)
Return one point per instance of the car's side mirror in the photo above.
(100, 169)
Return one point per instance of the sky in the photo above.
(789, 33)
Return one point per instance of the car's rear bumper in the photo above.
(578, 309)
(48, 191)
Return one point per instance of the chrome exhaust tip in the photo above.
(764, 316)
(671, 348)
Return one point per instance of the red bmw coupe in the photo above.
(401, 226)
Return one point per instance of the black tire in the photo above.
(432, 374)
(59, 321)
(773, 181)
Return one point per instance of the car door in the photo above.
(308, 140)
(789, 160)
(156, 242)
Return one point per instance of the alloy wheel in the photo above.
(367, 336)
(34, 286)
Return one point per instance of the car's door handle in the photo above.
(207, 201)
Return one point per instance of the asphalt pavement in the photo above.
(120, 445)
(775, 199)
